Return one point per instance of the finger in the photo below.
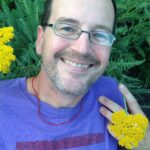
(106, 113)
(132, 103)
(114, 107)
(108, 127)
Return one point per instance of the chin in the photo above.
(75, 87)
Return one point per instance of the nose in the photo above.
(82, 44)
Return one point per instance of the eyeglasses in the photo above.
(72, 32)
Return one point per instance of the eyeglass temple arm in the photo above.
(46, 24)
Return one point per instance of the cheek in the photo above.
(103, 54)
(57, 44)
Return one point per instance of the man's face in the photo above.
(72, 66)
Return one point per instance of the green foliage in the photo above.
(24, 16)
(130, 58)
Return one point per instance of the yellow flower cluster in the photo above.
(129, 129)
(6, 52)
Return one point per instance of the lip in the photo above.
(77, 61)
(76, 66)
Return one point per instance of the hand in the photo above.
(109, 107)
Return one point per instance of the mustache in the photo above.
(88, 58)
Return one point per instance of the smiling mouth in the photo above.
(78, 65)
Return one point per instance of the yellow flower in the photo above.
(6, 56)
(129, 129)
(6, 52)
(6, 34)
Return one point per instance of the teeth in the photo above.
(75, 64)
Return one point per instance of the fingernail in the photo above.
(121, 86)
(101, 99)
(101, 109)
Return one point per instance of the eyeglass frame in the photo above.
(53, 26)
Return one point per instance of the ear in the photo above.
(39, 40)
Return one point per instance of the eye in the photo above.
(67, 30)
(99, 36)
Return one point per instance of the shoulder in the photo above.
(108, 86)
(10, 86)
(10, 94)
(105, 82)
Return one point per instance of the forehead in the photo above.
(84, 12)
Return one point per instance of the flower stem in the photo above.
(125, 105)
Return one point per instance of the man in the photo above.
(59, 108)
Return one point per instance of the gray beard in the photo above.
(49, 66)
(55, 79)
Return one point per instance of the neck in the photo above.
(47, 92)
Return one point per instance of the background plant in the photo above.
(6, 51)
(130, 59)
(24, 16)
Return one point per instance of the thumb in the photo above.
(108, 127)
(132, 103)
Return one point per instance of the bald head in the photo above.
(48, 11)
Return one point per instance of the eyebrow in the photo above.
(73, 21)
(68, 20)
(103, 27)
